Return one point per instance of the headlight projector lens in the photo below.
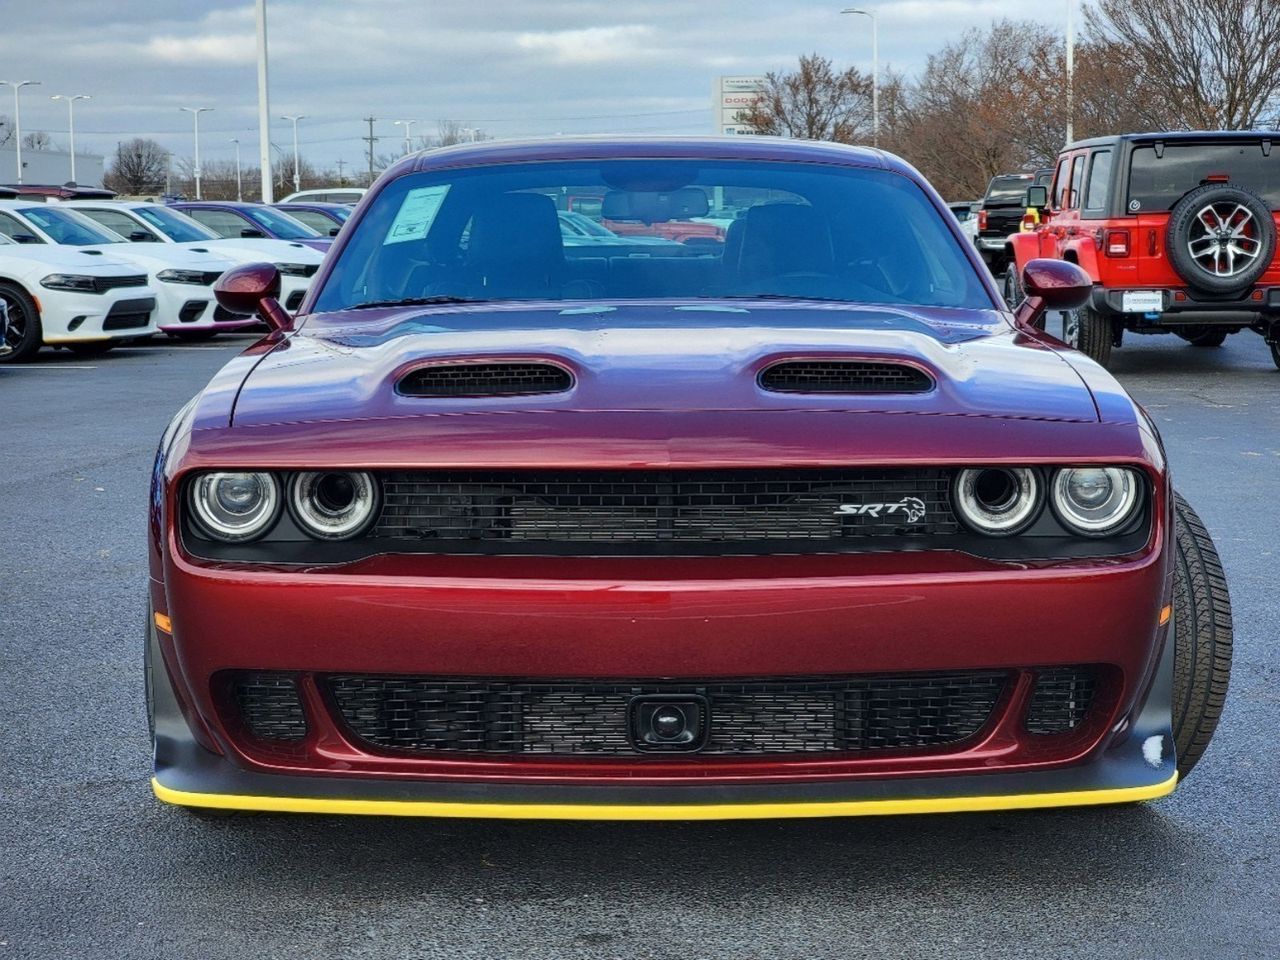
(1095, 501)
(997, 501)
(334, 505)
(235, 506)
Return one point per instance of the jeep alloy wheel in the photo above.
(1221, 238)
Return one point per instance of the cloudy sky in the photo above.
(508, 67)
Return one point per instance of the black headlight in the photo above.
(182, 276)
(295, 269)
(70, 281)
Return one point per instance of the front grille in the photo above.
(269, 706)
(484, 380)
(1060, 699)
(129, 314)
(809, 510)
(103, 284)
(571, 718)
(844, 376)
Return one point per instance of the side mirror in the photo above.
(1038, 197)
(252, 233)
(140, 236)
(254, 288)
(1052, 285)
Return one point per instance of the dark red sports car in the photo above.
(805, 524)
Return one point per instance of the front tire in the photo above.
(24, 335)
(1202, 637)
(1275, 352)
(1089, 332)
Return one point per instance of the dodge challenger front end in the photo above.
(803, 523)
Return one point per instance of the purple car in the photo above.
(233, 220)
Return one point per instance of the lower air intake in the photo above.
(1060, 699)
(269, 706)
(570, 718)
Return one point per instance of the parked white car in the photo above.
(182, 279)
(327, 195)
(967, 215)
(78, 298)
(155, 223)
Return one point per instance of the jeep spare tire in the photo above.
(1221, 238)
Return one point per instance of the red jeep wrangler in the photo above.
(1178, 231)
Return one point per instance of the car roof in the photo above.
(663, 148)
(1176, 136)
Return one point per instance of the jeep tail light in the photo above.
(982, 219)
(1117, 243)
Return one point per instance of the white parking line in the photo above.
(62, 366)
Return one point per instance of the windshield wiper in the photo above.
(415, 302)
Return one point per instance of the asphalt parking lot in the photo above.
(91, 866)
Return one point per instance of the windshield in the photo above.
(69, 227)
(489, 233)
(1008, 192)
(280, 224)
(177, 226)
(1158, 182)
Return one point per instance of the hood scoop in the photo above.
(485, 379)
(844, 376)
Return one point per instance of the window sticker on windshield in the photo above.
(416, 214)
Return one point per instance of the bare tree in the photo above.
(6, 130)
(138, 167)
(1218, 62)
(39, 140)
(814, 103)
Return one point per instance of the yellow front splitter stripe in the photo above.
(675, 811)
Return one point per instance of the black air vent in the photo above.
(844, 376)
(485, 380)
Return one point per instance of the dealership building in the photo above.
(50, 166)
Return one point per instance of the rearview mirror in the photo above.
(333, 231)
(254, 288)
(252, 233)
(652, 206)
(1052, 285)
(140, 236)
(1038, 197)
(24, 238)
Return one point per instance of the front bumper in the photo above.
(1139, 766)
(755, 617)
(81, 317)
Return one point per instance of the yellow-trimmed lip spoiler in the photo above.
(675, 811)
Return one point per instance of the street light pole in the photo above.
(1071, 72)
(264, 109)
(195, 115)
(239, 190)
(17, 117)
(407, 124)
(297, 176)
(71, 124)
(875, 70)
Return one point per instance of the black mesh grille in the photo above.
(844, 376)
(269, 706)
(103, 284)
(1060, 699)
(591, 718)
(808, 510)
(128, 315)
(485, 380)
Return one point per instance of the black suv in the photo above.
(1001, 214)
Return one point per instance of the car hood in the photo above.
(81, 259)
(667, 359)
(155, 257)
(255, 251)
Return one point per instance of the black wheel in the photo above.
(1089, 332)
(91, 348)
(1013, 292)
(1275, 352)
(1204, 336)
(1221, 238)
(23, 336)
(193, 336)
(1201, 637)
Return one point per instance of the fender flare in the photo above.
(1022, 247)
(1083, 251)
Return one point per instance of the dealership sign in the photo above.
(731, 97)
